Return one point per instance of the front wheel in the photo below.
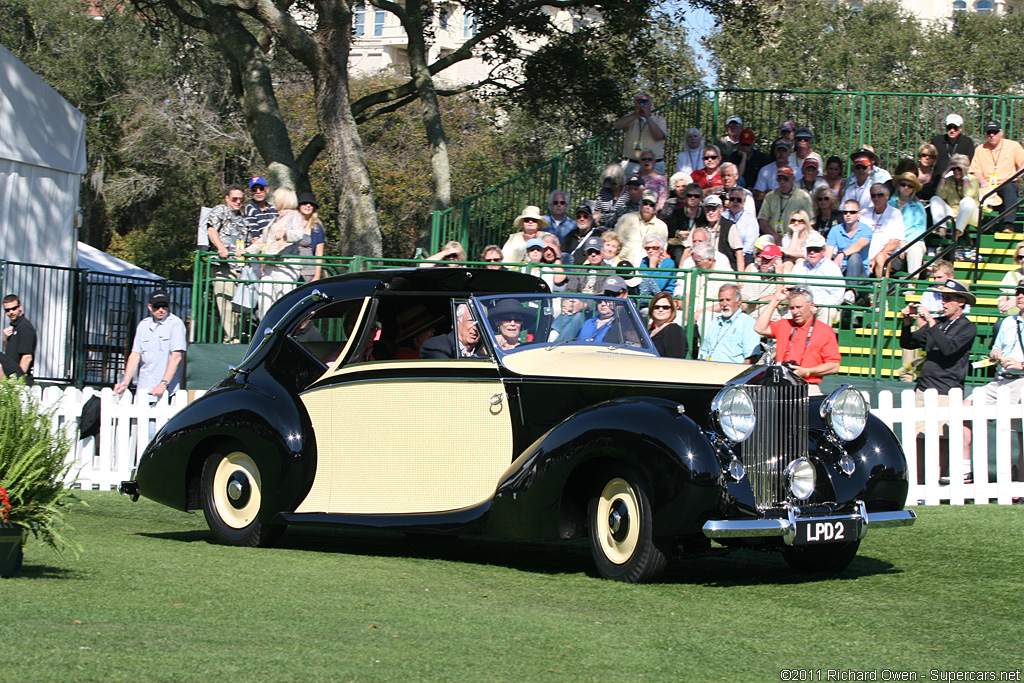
(232, 497)
(830, 558)
(621, 532)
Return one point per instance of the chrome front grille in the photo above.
(779, 438)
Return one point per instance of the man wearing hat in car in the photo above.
(157, 352)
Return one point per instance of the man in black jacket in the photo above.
(953, 142)
(462, 342)
(947, 343)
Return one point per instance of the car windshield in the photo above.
(518, 322)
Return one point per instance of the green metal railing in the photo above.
(895, 124)
(868, 334)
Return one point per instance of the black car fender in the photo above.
(544, 492)
(880, 475)
(270, 426)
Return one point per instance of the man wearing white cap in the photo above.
(729, 142)
(952, 142)
(827, 294)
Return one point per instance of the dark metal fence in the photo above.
(85, 321)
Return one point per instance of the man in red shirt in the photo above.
(806, 345)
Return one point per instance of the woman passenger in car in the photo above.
(507, 318)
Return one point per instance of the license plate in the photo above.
(811, 531)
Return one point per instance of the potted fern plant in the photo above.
(32, 471)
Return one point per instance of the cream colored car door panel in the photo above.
(404, 446)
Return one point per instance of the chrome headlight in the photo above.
(846, 412)
(732, 412)
(800, 478)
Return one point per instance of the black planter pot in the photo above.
(12, 540)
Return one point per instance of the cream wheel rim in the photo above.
(236, 490)
(618, 521)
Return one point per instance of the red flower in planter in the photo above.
(5, 504)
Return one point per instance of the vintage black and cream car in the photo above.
(531, 415)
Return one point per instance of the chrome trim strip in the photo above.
(786, 528)
(897, 518)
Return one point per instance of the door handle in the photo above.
(496, 399)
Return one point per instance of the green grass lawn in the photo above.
(152, 599)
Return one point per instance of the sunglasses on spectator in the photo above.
(694, 196)
(1020, 254)
(876, 195)
(815, 250)
(651, 247)
(850, 213)
(646, 158)
(824, 199)
(530, 249)
(991, 132)
(236, 199)
(608, 292)
(12, 308)
(860, 166)
(530, 220)
(648, 202)
(492, 260)
(557, 203)
(735, 199)
(926, 155)
(157, 307)
(952, 126)
(710, 156)
(784, 178)
(661, 307)
(796, 220)
(906, 185)
(593, 251)
(451, 257)
(582, 215)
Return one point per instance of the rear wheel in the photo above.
(621, 532)
(232, 498)
(829, 558)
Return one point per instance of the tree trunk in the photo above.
(431, 111)
(357, 213)
(250, 71)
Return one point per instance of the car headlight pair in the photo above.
(845, 412)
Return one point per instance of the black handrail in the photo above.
(995, 220)
(924, 264)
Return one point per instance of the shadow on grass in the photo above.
(44, 571)
(738, 568)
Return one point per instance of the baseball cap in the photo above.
(614, 283)
(712, 200)
(782, 143)
(534, 243)
(955, 120)
(734, 119)
(803, 132)
(993, 126)
(815, 239)
(649, 196)
(593, 243)
(258, 180)
(746, 137)
(785, 170)
(634, 180)
(811, 161)
(159, 296)
(1020, 287)
(584, 208)
(763, 241)
(787, 126)
(771, 251)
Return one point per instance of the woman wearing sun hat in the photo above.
(915, 222)
(529, 224)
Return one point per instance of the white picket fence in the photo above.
(105, 464)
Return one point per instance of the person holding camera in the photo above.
(803, 343)
(642, 131)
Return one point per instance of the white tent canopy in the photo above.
(91, 258)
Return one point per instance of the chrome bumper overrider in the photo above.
(787, 527)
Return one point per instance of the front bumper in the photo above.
(787, 526)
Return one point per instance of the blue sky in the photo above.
(699, 23)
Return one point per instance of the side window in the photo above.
(325, 332)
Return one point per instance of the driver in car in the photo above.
(462, 342)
